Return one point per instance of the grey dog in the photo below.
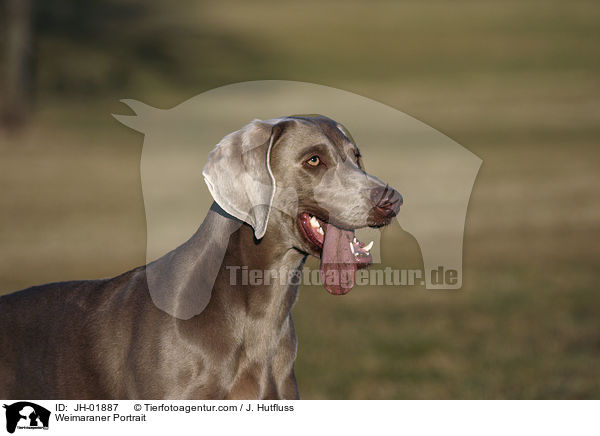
(283, 189)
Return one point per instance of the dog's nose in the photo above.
(386, 201)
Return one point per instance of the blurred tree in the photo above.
(56, 36)
(89, 49)
(18, 63)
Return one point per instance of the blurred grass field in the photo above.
(517, 83)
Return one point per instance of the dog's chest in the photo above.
(263, 362)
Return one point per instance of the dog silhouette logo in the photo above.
(434, 173)
(26, 415)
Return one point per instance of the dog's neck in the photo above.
(267, 272)
(222, 267)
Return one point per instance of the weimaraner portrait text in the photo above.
(283, 189)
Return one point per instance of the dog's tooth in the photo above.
(320, 230)
(352, 248)
(368, 246)
(314, 223)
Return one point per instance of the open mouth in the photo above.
(341, 253)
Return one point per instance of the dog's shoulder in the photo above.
(73, 292)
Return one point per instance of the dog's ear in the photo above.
(238, 173)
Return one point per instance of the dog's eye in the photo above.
(314, 161)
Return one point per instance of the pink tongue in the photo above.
(337, 261)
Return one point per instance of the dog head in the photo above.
(304, 170)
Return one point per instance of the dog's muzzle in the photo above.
(386, 203)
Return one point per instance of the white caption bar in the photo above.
(300, 417)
